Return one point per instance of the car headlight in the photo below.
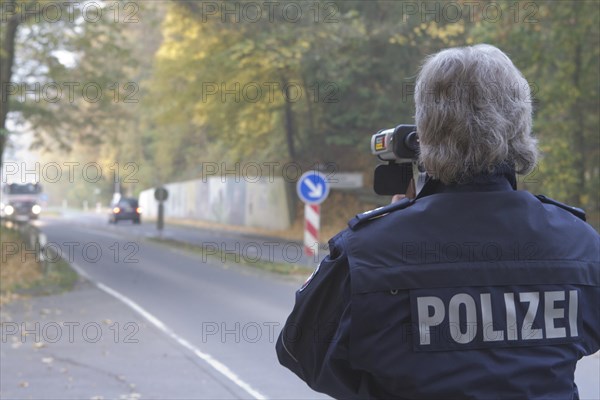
(36, 209)
(9, 210)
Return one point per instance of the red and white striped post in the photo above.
(313, 189)
(312, 222)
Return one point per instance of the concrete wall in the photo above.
(263, 203)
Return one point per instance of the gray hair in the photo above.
(473, 114)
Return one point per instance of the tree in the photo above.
(35, 34)
(8, 32)
(557, 47)
(305, 90)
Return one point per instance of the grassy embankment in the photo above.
(229, 258)
(24, 274)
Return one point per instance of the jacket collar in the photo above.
(502, 179)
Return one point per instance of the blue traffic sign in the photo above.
(312, 187)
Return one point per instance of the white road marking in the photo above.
(210, 360)
(80, 271)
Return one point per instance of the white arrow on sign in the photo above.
(312, 187)
(315, 191)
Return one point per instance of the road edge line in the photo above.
(210, 360)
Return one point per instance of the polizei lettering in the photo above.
(449, 319)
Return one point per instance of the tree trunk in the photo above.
(7, 57)
(578, 144)
(309, 110)
(579, 134)
(290, 125)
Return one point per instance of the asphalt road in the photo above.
(248, 246)
(225, 315)
(221, 318)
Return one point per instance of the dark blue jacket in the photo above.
(469, 291)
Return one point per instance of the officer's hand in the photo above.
(410, 193)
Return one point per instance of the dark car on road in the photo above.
(125, 209)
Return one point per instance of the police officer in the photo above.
(473, 289)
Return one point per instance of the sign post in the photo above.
(161, 194)
(312, 189)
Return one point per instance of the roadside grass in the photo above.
(230, 258)
(23, 274)
(51, 213)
